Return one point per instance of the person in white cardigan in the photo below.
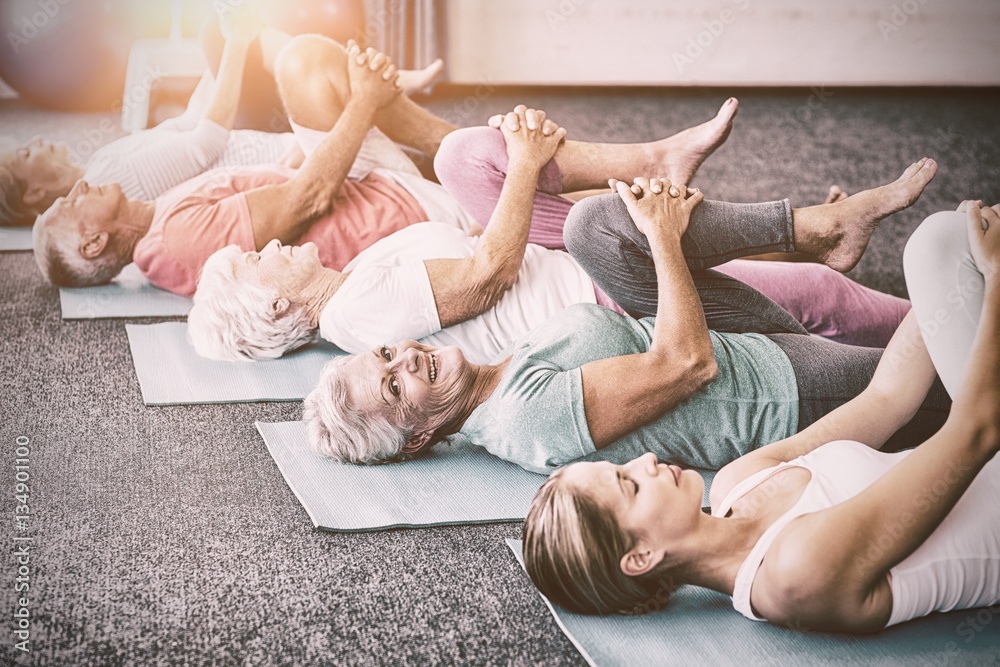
(148, 163)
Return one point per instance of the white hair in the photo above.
(341, 431)
(59, 259)
(235, 320)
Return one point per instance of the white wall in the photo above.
(723, 42)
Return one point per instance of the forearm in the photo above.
(322, 174)
(680, 331)
(500, 250)
(977, 401)
(228, 85)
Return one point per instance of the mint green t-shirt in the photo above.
(535, 417)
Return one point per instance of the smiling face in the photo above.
(46, 169)
(654, 502)
(289, 270)
(413, 385)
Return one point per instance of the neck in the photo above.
(134, 223)
(484, 383)
(721, 546)
(319, 293)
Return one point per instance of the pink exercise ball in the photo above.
(66, 54)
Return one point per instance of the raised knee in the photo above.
(304, 56)
(466, 149)
(590, 220)
(940, 235)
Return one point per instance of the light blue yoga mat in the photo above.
(171, 373)
(700, 627)
(453, 484)
(128, 295)
(15, 238)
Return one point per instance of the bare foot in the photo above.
(684, 152)
(838, 233)
(413, 80)
(835, 195)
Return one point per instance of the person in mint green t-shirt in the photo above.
(593, 384)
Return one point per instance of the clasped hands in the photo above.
(656, 205)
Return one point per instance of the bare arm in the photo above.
(240, 28)
(623, 393)
(855, 544)
(904, 375)
(466, 288)
(285, 211)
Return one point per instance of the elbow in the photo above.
(703, 369)
(309, 201)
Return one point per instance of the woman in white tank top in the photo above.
(819, 531)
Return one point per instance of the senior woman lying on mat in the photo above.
(820, 530)
(590, 382)
(434, 282)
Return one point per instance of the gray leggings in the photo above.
(601, 236)
(829, 374)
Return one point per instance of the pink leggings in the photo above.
(472, 165)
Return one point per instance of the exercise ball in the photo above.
(340, 19)
(63, 54)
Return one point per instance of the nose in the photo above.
(646, 463)
(273, 246)
(407, 360)
(81, 188)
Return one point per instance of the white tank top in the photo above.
(957, 567)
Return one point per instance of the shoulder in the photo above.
(801, 584)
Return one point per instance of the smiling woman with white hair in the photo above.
(593, 384)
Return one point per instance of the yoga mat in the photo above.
(171, 373)
(453, 484)
(700, 627)
(128, 295)
(15, 238)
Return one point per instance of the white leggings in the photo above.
(946, 290)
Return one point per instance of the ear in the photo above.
(94, 244)
(640, 560)
(33, 196)
(417, 442)
(281, 306)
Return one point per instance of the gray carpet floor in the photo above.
(167, 535)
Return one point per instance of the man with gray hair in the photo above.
(87, 237)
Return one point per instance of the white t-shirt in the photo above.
(387, 297)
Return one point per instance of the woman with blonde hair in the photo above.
(819, 530)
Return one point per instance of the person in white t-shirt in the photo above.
(434, 282)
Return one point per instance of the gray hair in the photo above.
(235, 320)
(13, 211)
(341, 431)
(59, 259)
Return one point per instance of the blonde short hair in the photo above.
(234, 320)
(337, 429)
(13, 211)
